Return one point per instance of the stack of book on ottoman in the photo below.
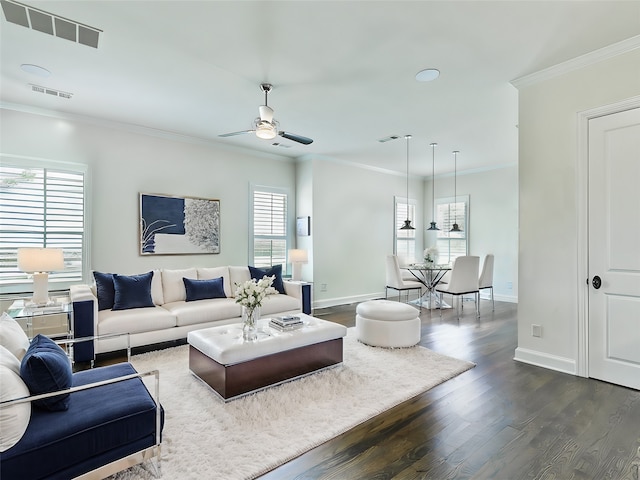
(290, 322)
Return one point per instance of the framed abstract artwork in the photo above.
(303, 226)
(178, 225)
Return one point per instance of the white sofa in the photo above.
(171, 317)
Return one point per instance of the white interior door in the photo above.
(614, 248)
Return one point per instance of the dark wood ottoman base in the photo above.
(231, 381)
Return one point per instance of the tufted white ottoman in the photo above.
(383, 323)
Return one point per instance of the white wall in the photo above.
(548, 210)
(351, 208)
(304, 208)
(352, 229)
(493, 215)
(123, 164)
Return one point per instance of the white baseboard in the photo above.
(334, 302)
(505, 298)
(546, 360)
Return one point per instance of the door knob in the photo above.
(596, 282)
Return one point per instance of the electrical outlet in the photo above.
(536, 330)
(323, 287)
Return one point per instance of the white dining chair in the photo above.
(464, 281)
(396, 282)
(486, 277)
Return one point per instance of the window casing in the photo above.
(404, 240)
(452, 244)
(42, 204)
(269, 221)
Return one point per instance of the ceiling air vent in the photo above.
(51, 91)
(49, 23)
(389, 138)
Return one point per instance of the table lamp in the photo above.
(39, 262)
(297, 257)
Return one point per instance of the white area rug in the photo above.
(245, 438)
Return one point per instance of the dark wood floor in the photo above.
(500, 420)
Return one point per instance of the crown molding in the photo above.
(582, 61)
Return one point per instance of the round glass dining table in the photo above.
(429, 275)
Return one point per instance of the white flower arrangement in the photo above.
(251, 293)
(431, 254)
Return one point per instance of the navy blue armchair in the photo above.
(112, 422)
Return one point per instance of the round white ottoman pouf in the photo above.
(384, 323)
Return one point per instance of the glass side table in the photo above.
(52, 320)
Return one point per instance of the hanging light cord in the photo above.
(407, 137)
(433, 179)
(407, 222)
(455, 188)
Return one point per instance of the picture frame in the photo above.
(303, 226)
(173, 225)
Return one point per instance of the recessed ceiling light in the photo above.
(427, 75)
(35, 70)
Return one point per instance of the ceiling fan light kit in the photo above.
(265, 127)
(265, 130)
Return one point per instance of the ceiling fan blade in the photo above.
(296, 138)
(233, 134)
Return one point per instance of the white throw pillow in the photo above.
(14, 419)
(8, 359)
(237, 276)
(12, 336)
(156, 288)
(173, 285)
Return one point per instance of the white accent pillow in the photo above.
(156, 288)
(237, 276)
(12, 336)
(8, 359)
(14, 419)
(173, 285)
(217, 272)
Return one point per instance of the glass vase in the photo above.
(250, 317)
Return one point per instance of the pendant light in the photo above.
(407, 222)
(433, 187)
(455, 228)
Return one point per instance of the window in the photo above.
(270, 240)
(41, 205)
(404, 240)
(452, 244)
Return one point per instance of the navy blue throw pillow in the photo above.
(104, 290)
(258, 273)
(132, 291)
(204, 289)
(46, 368)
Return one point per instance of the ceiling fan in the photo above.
(265, 126)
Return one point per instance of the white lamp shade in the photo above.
(40, 259)
(297, 255)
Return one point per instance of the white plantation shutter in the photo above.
(405, 240)
(452, 244)
(269, 228)
(41, 207)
